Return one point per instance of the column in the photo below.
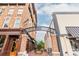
(23, 45)
(55, 49)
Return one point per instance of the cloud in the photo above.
(44, 12)
(50, 8)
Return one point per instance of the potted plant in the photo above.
(39, 47)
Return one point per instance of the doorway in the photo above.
(13, 44)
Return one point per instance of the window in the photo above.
(17, 23)
(20, 11)
(1, 11)
(10, 11)
(6, 21)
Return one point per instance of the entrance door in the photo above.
(13, 44)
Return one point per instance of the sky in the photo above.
(45, 11)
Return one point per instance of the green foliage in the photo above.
(1, 41)
(40, 45)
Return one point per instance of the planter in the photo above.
(13, 53)
(38, 51)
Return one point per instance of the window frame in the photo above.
(17, 25)
(20, 11)
(10, 11)
(6, 21)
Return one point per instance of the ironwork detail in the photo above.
(39, 28)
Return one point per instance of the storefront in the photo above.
(10, 41)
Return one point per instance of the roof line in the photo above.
(66, 12)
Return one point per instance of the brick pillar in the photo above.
(23, 44)
(55, 49)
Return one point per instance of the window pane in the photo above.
(20, 11)
(6, 21)
(10, 12)
(17, 23)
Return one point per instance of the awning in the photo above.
(73, 31)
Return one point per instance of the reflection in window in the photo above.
(17, 23)
(6, 21)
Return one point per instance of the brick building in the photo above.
(14, 17)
